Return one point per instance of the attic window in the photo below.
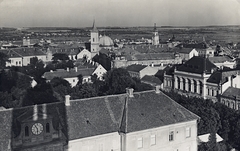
(26, 131)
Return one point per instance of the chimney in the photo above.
(67, 100)
(76, 69)
(67, 69)
(130, 92)
(44, 110)
(35, 113)
(212, 70)
(152, 65)
(51, 70)
(158, 89)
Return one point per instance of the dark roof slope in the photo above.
(231, 92)
(197, 65)
(151, 80)
(135, 67)
(182, 50)
(221, 76)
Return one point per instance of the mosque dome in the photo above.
(105, 41)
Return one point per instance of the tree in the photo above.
(117, 80)
(85, 90)
(40, 94)
(60, 87)
(3, 60)
(80, 79)
(60, 56)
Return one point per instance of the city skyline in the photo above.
(121, 13)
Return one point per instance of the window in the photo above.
(171, 135)
(26, 131)
(93, 39)
(153, 140)
(73, 80)
(188, 131)
(47, 128)
(140, 142)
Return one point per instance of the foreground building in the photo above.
(147, 120)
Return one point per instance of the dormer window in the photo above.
(26, 131)
(47, 128)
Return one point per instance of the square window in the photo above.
(140, 142)
(188, 131)
(153, 140)
(171, 135)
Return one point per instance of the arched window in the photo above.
(26, 131)
(189, 85)
(195, 86)
(178, 82)
(47, 128)
(184, 84)
(201, 87)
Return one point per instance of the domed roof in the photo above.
(105, 41)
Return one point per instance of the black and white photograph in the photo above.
(119, 75)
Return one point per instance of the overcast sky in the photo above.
(81, 13)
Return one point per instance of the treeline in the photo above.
(214, 118)
(16, 89)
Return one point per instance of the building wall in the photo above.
(26, 59)
(236, 81)
(14, 62)
(180, 141)
(231, 103)
(194, 52)
(226, 64)
(73, 81)
(105, 142)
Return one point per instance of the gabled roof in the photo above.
(68, 74)
(197, 65)
(231, 92)
(135, 67)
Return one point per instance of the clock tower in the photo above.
(155, 38)
(36, 129)
(94, 40)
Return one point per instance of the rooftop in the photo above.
(197, 65)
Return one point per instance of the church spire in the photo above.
(155, 27)
(94, 28)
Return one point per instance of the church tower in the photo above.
(94, 40)
(155, 38)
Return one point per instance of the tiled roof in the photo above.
(68, 74)
(182, 50)
(101, 115)
(23, 52)
(221, 76)
(66, 50)
(197, 65)
(220, 59)
(151, 80)
(152, 56)
(136, 67)
(231, 92)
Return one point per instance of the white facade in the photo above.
(108, 142)
(175, 137)
(183, 138)
(100, 71)
(84, 53)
